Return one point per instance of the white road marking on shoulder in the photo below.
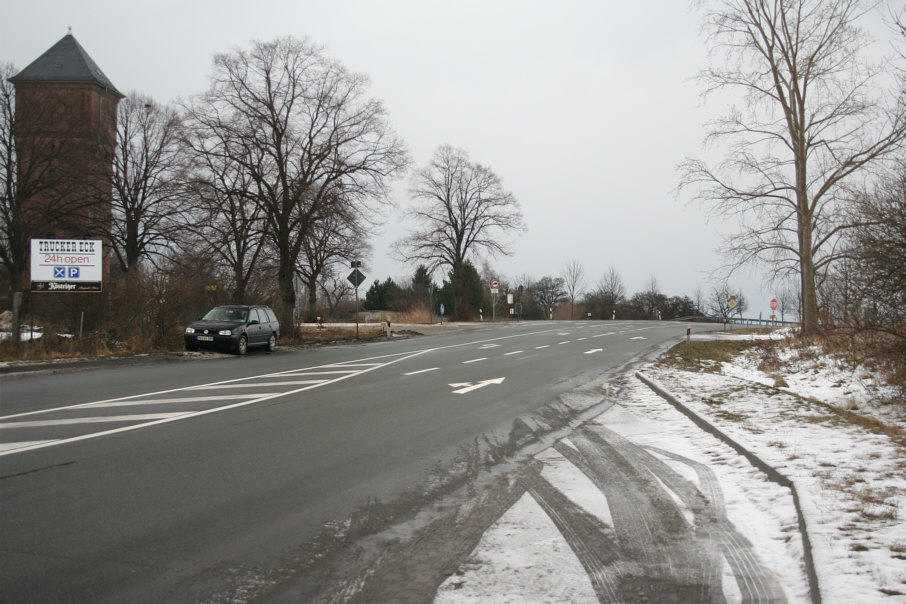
(422, 371)
(70, 421)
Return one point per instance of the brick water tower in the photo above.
(65, 135)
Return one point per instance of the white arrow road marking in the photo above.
(638, 338)
(488, 346)
(469, 386)
(594, 350)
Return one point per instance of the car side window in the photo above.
(270, 315)
(253, 315)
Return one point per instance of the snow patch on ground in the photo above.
(522, 558)
(851, 480)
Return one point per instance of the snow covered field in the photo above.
(850, 476)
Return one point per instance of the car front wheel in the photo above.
(243, 346)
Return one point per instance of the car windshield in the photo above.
(233, 315)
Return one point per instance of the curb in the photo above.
(770, 472)
(87, 363)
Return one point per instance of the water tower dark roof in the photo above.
(65, 61)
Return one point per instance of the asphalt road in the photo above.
(170, 481)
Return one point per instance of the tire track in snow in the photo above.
(672, 565)
(590, 539)
(756, 583)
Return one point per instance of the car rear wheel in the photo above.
(243, 346)
(272, 343)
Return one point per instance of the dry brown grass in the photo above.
(312, 335)
(51, 347)
(703, 356)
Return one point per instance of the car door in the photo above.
(255, 328)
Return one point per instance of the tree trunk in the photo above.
(457, 291)
(287, 303)
(809, 318)
(312, 285)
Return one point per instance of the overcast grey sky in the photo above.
(583, 108)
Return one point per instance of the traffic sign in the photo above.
(773, 303)
(356, 278)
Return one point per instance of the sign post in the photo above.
(356, 277)
(495, 287)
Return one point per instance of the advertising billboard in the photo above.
(66, 265)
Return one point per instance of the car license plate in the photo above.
(205, 338)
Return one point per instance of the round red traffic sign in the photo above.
(495, 283)
(773, 303)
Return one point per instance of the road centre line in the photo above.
(512, 353)
(170, 401)
(305, 372)
(475, 360)
(256, 385)
(562, 343)
(540, 347)
(422, 371)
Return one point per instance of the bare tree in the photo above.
(573, 281)
(880, 256)
(549, 292)
(812, 120)
(35, 166)
(314, 131)
(724, 302)
(146, 193)
(611, 290)
(335, 238)
(651, 299)
(336, 288)
(462, 208)
(789, 300)
(46, 188)
(226, 216)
